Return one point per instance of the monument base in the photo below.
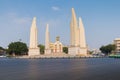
(34, 52)
(77, 51)
(47, 51)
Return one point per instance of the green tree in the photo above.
(65, 50)
(42, 48)
(90, 52)
(108, 48)
(18, 48)
(2, 50)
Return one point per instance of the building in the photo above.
(56, 47)
(117, 43)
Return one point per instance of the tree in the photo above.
(108, 48)
(65, 49)
(18, 48)
(2, 50)
(90, 52)
(42, 48)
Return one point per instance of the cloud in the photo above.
(55, 8)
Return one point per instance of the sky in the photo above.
(101, 19)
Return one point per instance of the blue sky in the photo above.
(101, 20)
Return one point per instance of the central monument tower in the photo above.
(77, 37)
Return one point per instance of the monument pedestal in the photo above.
(73, 50)
(83, 51)
(34, 52)
(47, 51)
(77, 51)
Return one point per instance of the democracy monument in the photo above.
(77, 46)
